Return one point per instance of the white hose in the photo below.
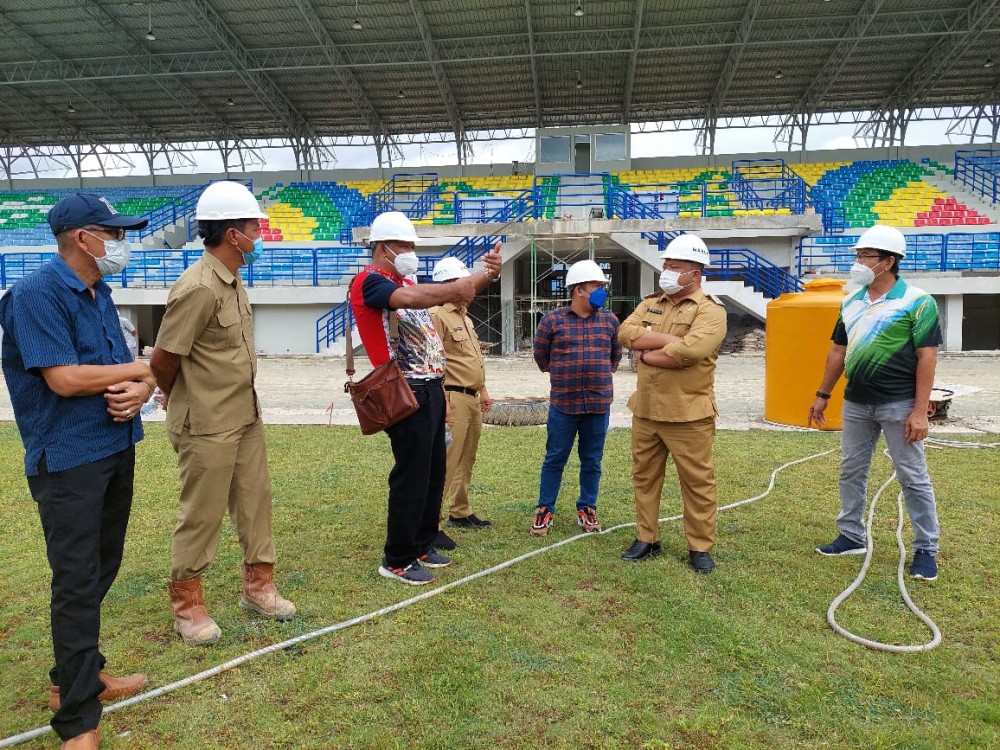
(240, 660)
(900, 581)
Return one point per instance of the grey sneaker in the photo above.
(434, 559)
(842, 545)
(414, 574)
(924, 566)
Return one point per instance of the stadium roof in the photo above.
(110, 71)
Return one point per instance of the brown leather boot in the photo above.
(114, 687)
(260, 595)
(86, 741)
(191, 618)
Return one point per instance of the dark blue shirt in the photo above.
(49, 319)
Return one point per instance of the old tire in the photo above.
(517, 412)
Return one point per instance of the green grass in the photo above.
(570, 649)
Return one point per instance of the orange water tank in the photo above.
(799, 326)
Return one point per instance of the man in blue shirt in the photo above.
(76, 394)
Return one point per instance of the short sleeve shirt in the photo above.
(208, 323)
(687, 393)
(49, 319)
(882, 339)
(465, 367)
(419, 353)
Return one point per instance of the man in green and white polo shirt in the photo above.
(885, 343)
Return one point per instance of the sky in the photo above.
(503, 152)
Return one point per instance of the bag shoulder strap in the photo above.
(393, 337)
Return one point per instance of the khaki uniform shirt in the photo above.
(465, 366)
(209, 324)
(687, 393)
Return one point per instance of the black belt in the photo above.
(424, 382)
(462, 389)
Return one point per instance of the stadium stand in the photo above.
(23, 214)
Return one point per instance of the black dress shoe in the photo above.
(641, 550)
(702, 562)
(443, 541)
(469, 522)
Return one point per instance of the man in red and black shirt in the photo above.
(386, 287)
(577, 344)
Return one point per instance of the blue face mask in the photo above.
(598, 297)
(253, 255)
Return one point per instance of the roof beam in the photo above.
(679, 38)
(451, 105)
(944, 53)
(814, 95)
(640, 8)
(895, 112)
(732, 63)
(174, 88)
(246, 66)
(534, 64)
(337, 62)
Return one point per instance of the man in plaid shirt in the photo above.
(577, 344)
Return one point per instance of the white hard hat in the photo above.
(449, 268)
(687, 247)
(392, 225)
(227, 200)
(881, 237)
(585, 270)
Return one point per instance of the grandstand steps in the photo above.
(175, 235)
(973, 200)
(578, 195)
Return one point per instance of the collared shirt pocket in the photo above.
(224, 330)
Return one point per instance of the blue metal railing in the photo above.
(979, 170)
(957, 251)
(161, 268)
(332, 324)
(768, 183)
(745, 265)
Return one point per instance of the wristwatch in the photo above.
(824, 396)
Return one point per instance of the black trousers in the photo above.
(416, 482)
(84, 513)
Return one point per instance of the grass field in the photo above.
(570, 649)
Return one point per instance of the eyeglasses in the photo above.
(868, 256)
(117, 232)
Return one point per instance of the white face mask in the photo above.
(670, 281)
(406, 263)
(116, 255)
(863, 275)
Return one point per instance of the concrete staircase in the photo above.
(741, 295)
(578, 195)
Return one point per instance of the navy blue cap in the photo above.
(80, 209)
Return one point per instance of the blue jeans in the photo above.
(862, 425)
(562, 430)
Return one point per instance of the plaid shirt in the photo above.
(580, 355)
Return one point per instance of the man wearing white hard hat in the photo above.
(577, 345)
(205, 363)
(677, 333)
(885, 343)
(387, 286)
(468, 399)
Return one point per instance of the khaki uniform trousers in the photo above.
(690, 443)
(227, 470)
(466, 427)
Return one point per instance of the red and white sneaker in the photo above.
(587, 518)
(542, 521)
